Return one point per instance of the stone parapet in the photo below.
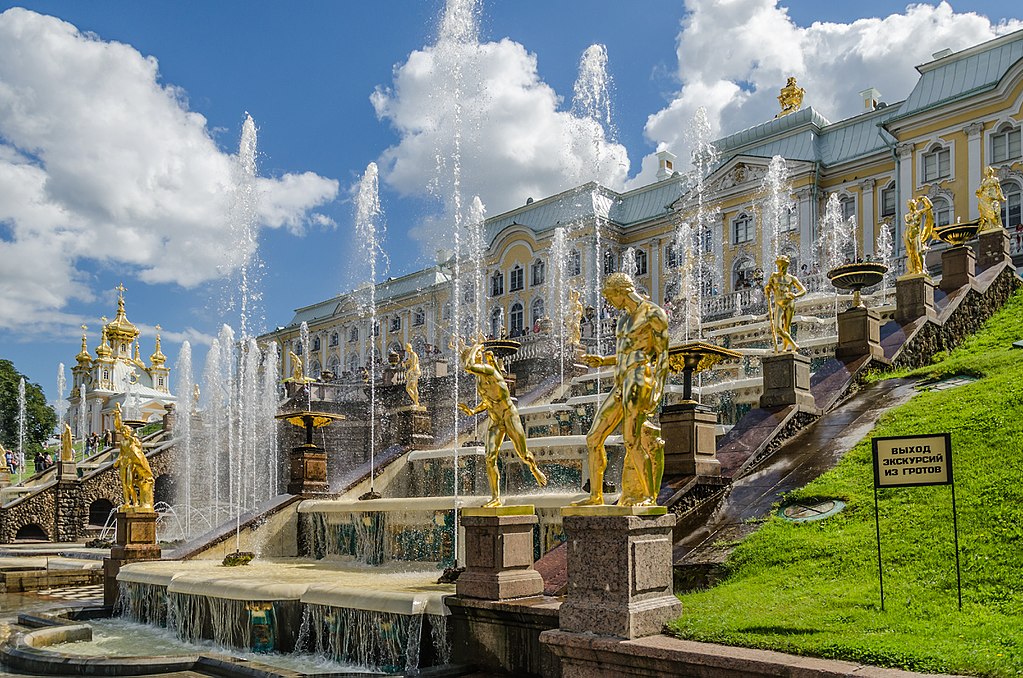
(690, 440)
(787, 382)
(859, 334)
(958, 268)
(504, 637)
(914, 298)
(993, 248)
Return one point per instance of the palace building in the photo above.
(117, 375)
(963, 115)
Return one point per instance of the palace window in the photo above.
(517, 319)
(298, 348)
(536, 311)
(671, 256)
(395, 323)
(333, 364)
(789, 219)
(536, 273)
(353, 334)
(496, 322)
(848, 204)
(419, 317)
(574, 263)
(1005, 145)
(316, 343)
(707, 240)
(1011, 217)
(353, 364)
(942, 212)
(888, 199)
(445, 312)
(743, 229)
(376, 328)
(937, 164)
(641, 262)
(497, 284)
(333, 339)
(610, 265)
(517, 281)
(469, 295)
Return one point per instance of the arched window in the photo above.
(1011, 217)
(445, 313)
(497, 284)
(333, 364)
(298, 348)
(419, 317)
(496, 322)
(316, 343)
(518, 277)
(1005, 144)
(536, 273)
(742, 274)
(333, 338)
(315, 369)
(395, 323)
(353, 334)
(888, 200)
(574, 263)
(641, 262)
(517, 319)
(536, 311)
(942, 211)
(610, 263)
(848, 204)
(743, 229)
(376, 328)
(353, 363)
(936, 163)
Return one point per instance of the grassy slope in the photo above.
(812, 588)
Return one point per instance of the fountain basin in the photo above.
(502, 348)
(959, 233)
(856, 276)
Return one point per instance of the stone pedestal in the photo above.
(135, 538)
(993, 248)
(499, 554)
(958, 266)
(859, 334)
(308, 470)
(787, 381)
(914, 298)
(413, 427)
(619, 572)
(690, 440)
(67, 470)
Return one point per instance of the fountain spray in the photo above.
(61, 405)
(184, 427)
(21, 422)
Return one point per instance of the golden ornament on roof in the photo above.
(791, 98)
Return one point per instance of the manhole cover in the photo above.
(801, 512)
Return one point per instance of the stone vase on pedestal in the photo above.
(619, 571)
(499, 554)
(859, 334)
(993, 248)
(787, 381)
(958, 266)
(690, 440)
(914, 298)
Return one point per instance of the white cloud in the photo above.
(516, 140)
(100, 161)
(734, 57)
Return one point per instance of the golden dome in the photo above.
(104, 350)
(158, 358)
(83, 356)
(120, 329)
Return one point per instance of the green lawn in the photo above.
(812, 588)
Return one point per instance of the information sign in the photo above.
(907, 461)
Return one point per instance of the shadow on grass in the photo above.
(778, 630)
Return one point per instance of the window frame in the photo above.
(749, 228)
(516, 279)
(935, 152)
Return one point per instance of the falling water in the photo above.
(476, 252)
(243, 255)
(629, 262)
(21, 422)
(184, 428)
(704, 158)
(270, 401)
(83, 426)
(833, 236)
(305, 349)
(369, 229)
(775, 204)
(61, 405)
(885, 249)
(559, 269)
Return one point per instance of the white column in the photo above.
(906, 190)
(973, 152)
(867, 218)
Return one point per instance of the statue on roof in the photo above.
(791, 98)
(989, 201)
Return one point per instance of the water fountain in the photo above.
(21, 422)
(61, 405)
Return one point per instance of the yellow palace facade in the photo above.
(964, 114)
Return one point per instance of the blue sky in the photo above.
(306, 73)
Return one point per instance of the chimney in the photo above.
(871, 98)
(941, 54)
(665, 164)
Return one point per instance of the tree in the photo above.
(40, 419)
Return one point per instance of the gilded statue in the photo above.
(67, 453)
(919, 231)
(503, 417)
(297, 369)
(195, 397)
(574, 319)
(989, 201)
(782, 290)
(118, 422)
(412, 374)
(135, 474)
(641, 365)
(790, 98)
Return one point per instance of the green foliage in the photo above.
(814, 586)
(40, 419)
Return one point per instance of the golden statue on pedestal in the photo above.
(574, 319)
(919, 231)
(67, 452)
(135, 473)
(989, 201)
(641, 366)
(412, 374)
(782, 290)
(297, 370)
(496, 401)
(790, 98)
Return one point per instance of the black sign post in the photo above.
(914, 461)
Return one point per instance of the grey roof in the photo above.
(647, 202)
(807, 118)
(967, 72)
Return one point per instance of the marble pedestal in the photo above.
(787, 381)
(135, 540)
(308, 470)
(499, 554)
(619, 572)
(993, 248)
(914, 298)
(690, 440)
(413, 427)
(67, 470)
(958, 266)
(859, 334)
